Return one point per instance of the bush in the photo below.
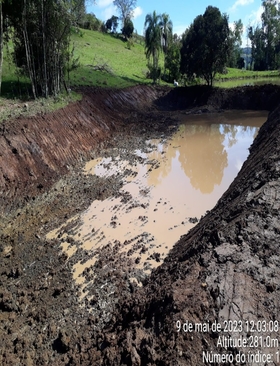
(128, 28)
(129, 44)
(91, 22)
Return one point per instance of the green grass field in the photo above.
(105, 60)
(123, 65)
(239, 74)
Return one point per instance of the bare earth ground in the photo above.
(226, 268)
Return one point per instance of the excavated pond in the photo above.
(166, 186)
(227, 265)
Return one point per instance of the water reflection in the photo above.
(201, 150)
(248, 82)
(180, 178)
(230, 131)
(203, 157)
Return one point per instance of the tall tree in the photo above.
(41, 38)
(125, 8)
(206, 45)
(236, 41)
(166, 34)
(172, 60)
(153, 42)
(271, 28)
(265, 39)
(128, 28)
(41, 42)
(257, 39)
(3, 33)
(77, 9)
(112, 23)
(166, 29)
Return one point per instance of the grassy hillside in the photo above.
(105, 60)
(125, 65)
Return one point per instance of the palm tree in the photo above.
(153, 41)
(166, 34)
(166, 29)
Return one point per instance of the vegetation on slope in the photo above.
(108, 60)
(104, 60)
(97, 58)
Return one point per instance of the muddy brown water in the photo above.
(174, 182)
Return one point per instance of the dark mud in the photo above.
(226, 268)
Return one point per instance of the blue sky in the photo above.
(182, 12)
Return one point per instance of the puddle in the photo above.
(165, 189)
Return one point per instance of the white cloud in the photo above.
(252, 20)
(137, 12)
(256, 16)
(240, 3)
(109, 12)
(179, 29)
(104, 3)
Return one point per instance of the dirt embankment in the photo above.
(226, 268)
(35, 152)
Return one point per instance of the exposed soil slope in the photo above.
(227, 267)
(34, 152)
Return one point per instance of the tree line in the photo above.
(209, 45)
(265, 38)
(40, 31)
(202, 51)
(125, 9)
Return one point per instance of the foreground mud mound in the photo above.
(209, 294)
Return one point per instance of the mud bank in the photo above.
(226, 268)
(35, 152)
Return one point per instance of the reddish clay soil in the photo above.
(224, 272)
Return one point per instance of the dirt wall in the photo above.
(34, 152)
(265, 97)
